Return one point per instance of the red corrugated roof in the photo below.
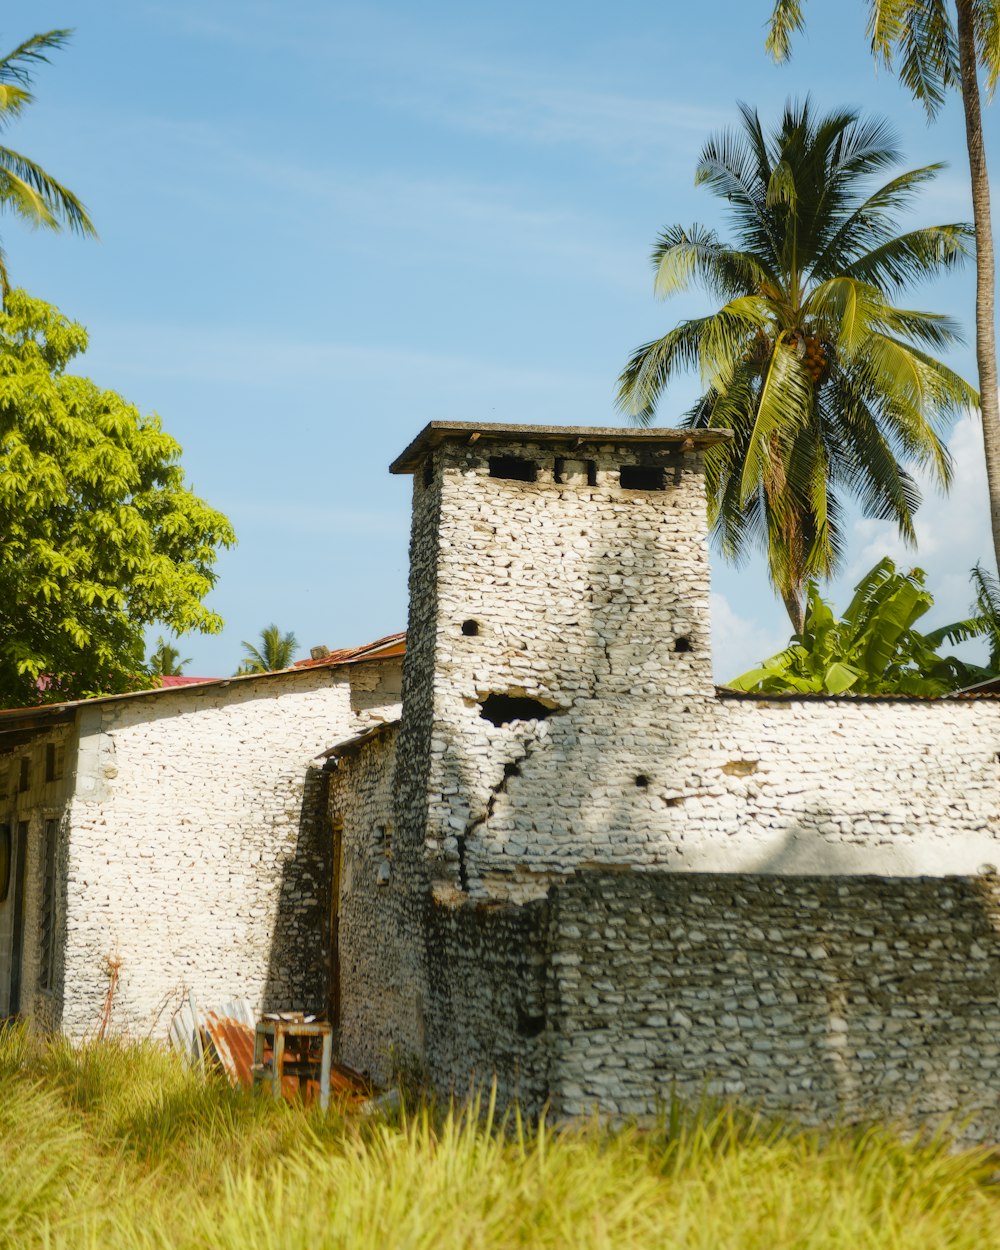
(168, 681)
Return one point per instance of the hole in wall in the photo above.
(642, 781)
(501, 709)
(529, 1025)
(683, 644)
(470, 628)
(740, 768)
(428, 470)
(514, 468)
(641, 477)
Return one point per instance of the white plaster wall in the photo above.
(190, 853)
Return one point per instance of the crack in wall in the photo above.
(512, 768)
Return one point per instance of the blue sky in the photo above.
(323, 225)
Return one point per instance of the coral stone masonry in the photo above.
(607, 879)
(565, 860)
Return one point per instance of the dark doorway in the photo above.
(17, 933)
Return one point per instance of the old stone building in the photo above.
(568, 859)
(178, 835)
(578, 864)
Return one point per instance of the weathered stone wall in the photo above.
(562, 731)
(591, 600)
(199, 848)
(856, 996)
(377, 999)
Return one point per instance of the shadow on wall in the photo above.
(298, 957)
(821, 996)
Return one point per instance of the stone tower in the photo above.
(558, 640)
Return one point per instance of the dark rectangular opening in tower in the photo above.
(641, 477)
(514, 468)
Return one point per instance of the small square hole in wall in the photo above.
(641, 477)
(514, 468)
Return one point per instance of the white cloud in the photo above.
(741, 642)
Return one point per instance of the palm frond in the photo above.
(786, 19)
(17, 66)
(53, 202)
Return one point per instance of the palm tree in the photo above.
(25, 188)
(823, 379)
(276, 651)
(166, 660)
(936, 52)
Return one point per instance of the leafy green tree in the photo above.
(25, 188)
(937, 45)
(276, 650)
(873, 649)
(824, 379)
(166, 660)
(99, 536)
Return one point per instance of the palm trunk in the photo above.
(792, 599)
(986, 354)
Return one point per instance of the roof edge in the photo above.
(437, 432)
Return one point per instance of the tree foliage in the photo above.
(99, 536)
(935, 46)
(276, 651)
(25, 188)
(874, 648)
(827, 382)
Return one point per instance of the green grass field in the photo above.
(120, 1146)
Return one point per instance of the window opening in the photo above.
(48, 943)
(428, 470)
(514, 468)
(641, 477)
(6, 856)
(24, 775)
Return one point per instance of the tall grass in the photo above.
(120, 1146)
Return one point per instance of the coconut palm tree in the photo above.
(166, 660)
(276, 650)
(25, 188)
(937, 46)
(825, 381)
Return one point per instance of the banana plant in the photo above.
(874, 648)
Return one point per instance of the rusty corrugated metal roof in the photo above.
(381, 649)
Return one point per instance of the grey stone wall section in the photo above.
(379, 996)
(487, 1011)
(820, 996)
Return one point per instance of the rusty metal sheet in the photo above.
(231, 1042)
